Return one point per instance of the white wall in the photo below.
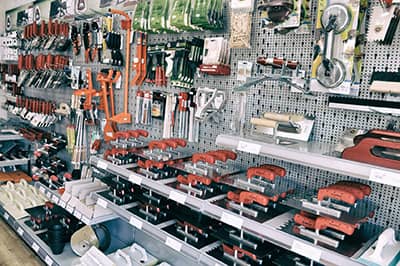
(6, 5)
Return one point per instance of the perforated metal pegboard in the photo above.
(273, 96)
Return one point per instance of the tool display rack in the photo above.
(12, 136)
(312, 165)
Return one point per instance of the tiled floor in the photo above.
(13, 250)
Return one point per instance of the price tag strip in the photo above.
(249, 147)
(48, 261)
(306, 250)
(385, 177)
(178, 197)
(102, 165)
(102, 203)
(232, 220)
(172, 243)
(135, 179)
(35, 247)
(136, 222)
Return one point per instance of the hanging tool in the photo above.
(110, 127)
(125, 117)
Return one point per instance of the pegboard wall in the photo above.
(276, 97)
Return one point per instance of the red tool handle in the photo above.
(150, 163)
(336, 193)
(115, 151)
(183, 180)
(197, 157)
(358, 193)
(239, 252)
(365, 188)
(261, 172)
(231, 155)
(254, 197)
(138, 132)
(220, 156)
(43, 28)
(307, 222)
(170, 143)
(141, 164)
(20, 62)
(322, 223)
(156, 144)
(198, 179)
(122, 135)
(181, 142)
(279, 171)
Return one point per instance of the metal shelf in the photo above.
(6, 135)
(56, 198)
(159, 234)
(14, 162)
(38, 245)
(312, 154)
(265, 231)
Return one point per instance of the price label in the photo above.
(102, 165)
(178, 197)
(41, 189)
(232, 220)
(306, 250)
(172, 243)
(6, 216)
(35, 247)
(249, 147)
(62, 204)
(135, 179)
(48, 195)
(48, 260)
(55, 199)
(85, 219)
(78, 214)
(102, 203)
(70, 209)
(20, 231)
(385, 177)
(135, 222)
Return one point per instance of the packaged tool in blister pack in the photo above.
(336, 65)
(241, 16)
(384, 22)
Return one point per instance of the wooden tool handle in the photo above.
(261, 172)
(283, 117)
(263, 122)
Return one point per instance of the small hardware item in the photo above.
(241, 15)
(244, 70)
(277, 10)
(376, 147)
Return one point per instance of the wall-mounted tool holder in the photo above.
(335, 66)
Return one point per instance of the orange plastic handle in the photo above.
(183, 180)
(254, 197)
(261, 172)
(172, 144)
(150, 163)
(365, 188)
(194, 179)
(305, 221)
(358, 193)
(181, 142)
(235, 196)
(197, 157)
(322, 223)
(156, 144)
(137, 133)
(141, 164)
(231, 155)
(122, 135)
(279, 171)
(220, 156)
(336, 193)
(240, 252)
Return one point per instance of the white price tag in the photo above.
(135, 179)
(385, 177)
(78, 214)
(6, 216)
(48, 195)
(232, 220)
(48, 260)
(20, 231)
(70, 209)
(249, 147)
(102, 203)
(177, 196)
(62, 204)
(35, 247)
(102, 165)
(85, 219)
(55, 199)
(173, 244)
(306, 250)
(135, 222)
(41, 189)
